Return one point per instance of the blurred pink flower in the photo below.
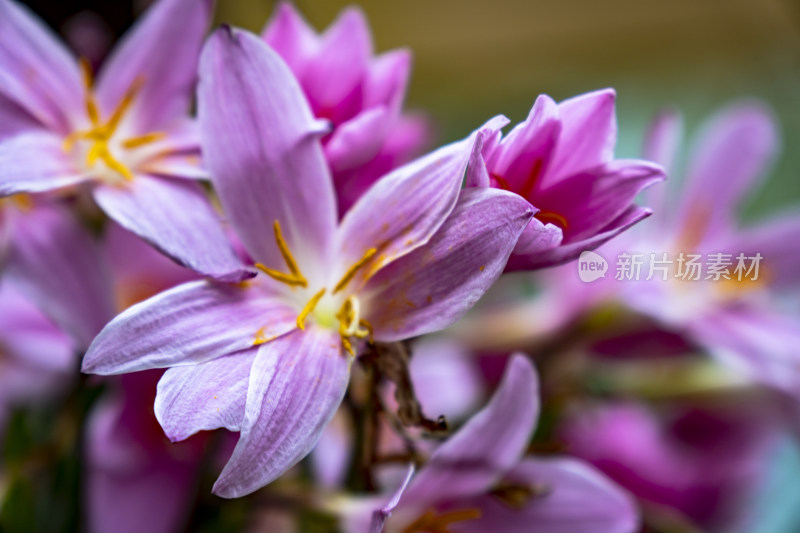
(561, 159)
(359, 94)
(479, 479)
(128, 135)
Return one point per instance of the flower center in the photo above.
(430, 522)
(349, 314)
(101, 133)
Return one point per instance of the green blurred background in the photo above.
(474, 59)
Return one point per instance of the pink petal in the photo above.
(162, 48)
(356, 141)
(36, 70)
(296, 384)
(260, 146)
(191, 323)
(588, 133)
(14, 120)
(204, 396)
(35, 162)
(53, 259)
(176, 217)
(432, 287)
(387, 79)
(406, 207)
(579, 499)
(291, 36)
(487, 446)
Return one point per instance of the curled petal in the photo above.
(358, 140)
(296, 384)
(487, 446)
(161, 49)
(176, 217)
(188, 324)
(204, 396)
(432, 287)
(260, 143)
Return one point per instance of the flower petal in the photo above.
(204, 396)
(661, 145)
(588, 133)
(35, 162)
(387, 80)
(356, 141)
(579, 499)
(333, 77)
(432, 287)
(162, 49)
(291, 36)
(734, 149)
(176, 217)
(569, 251)
(55, 262)
(14, 119)
(296, 384)
(259, 144)
(406, 207)
(191, 323)
(379, 516)
(36, 69)
(487, 446)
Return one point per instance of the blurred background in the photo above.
(476, 59)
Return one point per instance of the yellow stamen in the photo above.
(367, 332)
(91, 109)
(136, 142)
(289, 279)
(312, 303)
(551, 216)
(285, 252)
(351, 272)
(348, 346)
(86, 73)
(123, 106)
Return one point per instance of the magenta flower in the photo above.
(561, 159)
(705, 461)
(271, 357)
(478, 480)
(359, 94)
(128, 134)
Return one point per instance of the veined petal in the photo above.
(35, 162)
(176, 217)
(735, 149)
(333, 76)
(358, 140)
(204, 396)
(291, 36)
(487, 446)
(485, 141)
(432, 287)
(577, 499)
(259, 144)
(36, 69)
(55, 262)
(191, 323)
(402, 210)
(296, 383)
(537, 239)
(588, 133)
(162, 48)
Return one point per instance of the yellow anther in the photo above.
(366, 332)
(136, 142)
(260, 337)
(348, 346)
(285, 252)
(552, 217)
(289, 279)
(312, 303)
(351, 272)
(123, 106)
(86, 73)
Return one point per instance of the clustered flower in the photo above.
(246, 228)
